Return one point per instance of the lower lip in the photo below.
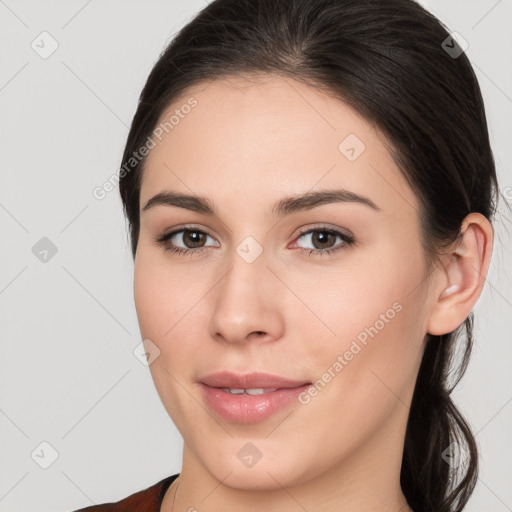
(249, 408)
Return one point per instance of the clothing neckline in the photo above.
(164, 485)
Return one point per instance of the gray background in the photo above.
(68, 375)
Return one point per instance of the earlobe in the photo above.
(463, 276)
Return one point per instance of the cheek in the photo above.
(168, 300)
(165, 314)
(151, 295)
(163, 295)
(363, 385)
(370, 305)
(371, 361)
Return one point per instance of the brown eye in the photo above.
(324, 240)
(185, 240)
(193, 239)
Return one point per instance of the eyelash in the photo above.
(347, 241)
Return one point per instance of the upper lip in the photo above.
(252, 380)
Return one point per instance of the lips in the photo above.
(252, 380)
(251, 397)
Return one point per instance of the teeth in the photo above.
(249, 391)
(259, 391)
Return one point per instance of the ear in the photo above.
(463, 275)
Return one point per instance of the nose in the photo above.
(247, 303)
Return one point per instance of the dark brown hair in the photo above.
(395, 64)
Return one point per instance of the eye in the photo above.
(192, 240)
(323, 237)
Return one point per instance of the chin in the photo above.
(267, 474)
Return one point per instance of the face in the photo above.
(329, 291)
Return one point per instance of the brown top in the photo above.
(147, 500)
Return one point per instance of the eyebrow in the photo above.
(285, 206)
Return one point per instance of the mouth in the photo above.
(250, 397)
(253, 380)
(249, 391)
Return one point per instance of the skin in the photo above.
(246, 145)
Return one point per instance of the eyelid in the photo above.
(302, 231)
(323, 226)
(347, 238)
(186, 227)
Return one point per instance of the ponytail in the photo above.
(440, 460)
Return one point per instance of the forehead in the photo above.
(272, 135)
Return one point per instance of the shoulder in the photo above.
(147, 500)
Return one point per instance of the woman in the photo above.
(310, 187)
